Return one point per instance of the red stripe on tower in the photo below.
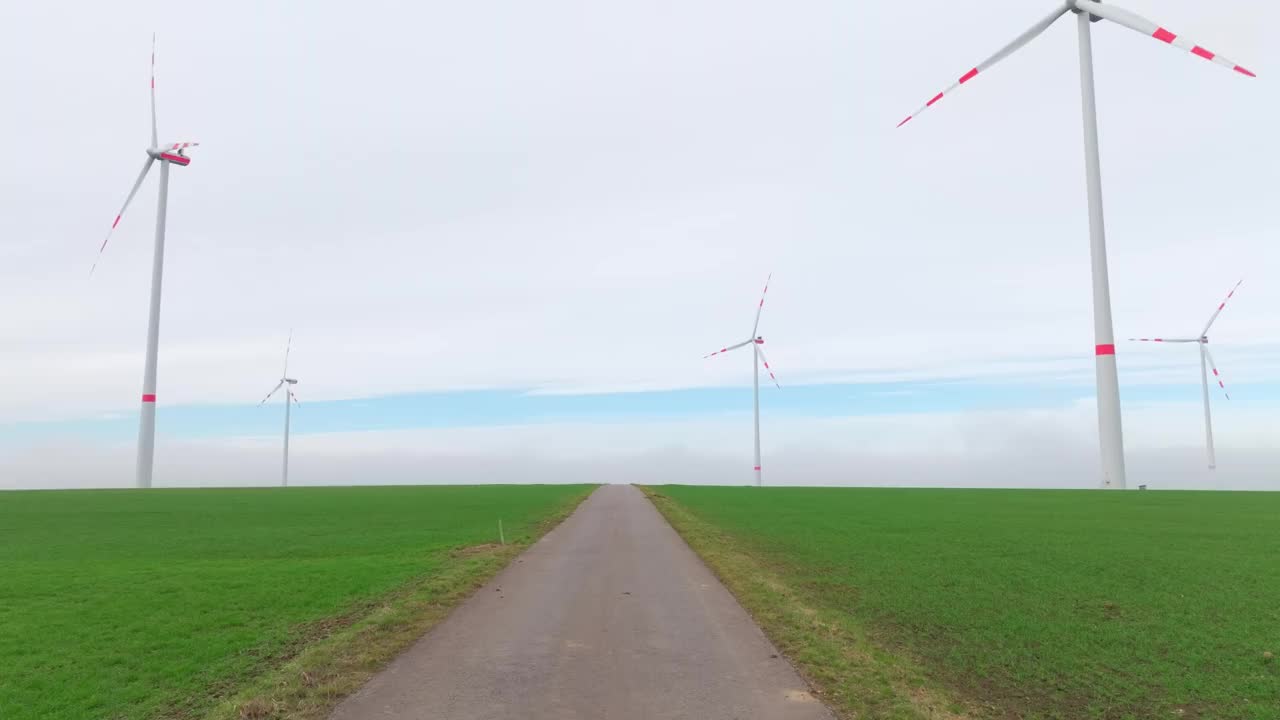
(149, 398)
(757, 468)
(1165, 35)
(1105, 349)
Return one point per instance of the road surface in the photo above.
(609, 616)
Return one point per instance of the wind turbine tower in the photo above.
(1111, 435)
(290, 399)
(166, 154)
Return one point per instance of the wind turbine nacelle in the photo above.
(175, 158)
(291, 381)
(176, 154)
(1076, 10)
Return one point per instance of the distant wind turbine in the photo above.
(757, 357)
(167, 154)
(1110, 432)
(1206, 363)
(287, 383)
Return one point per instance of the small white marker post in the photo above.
(501, 535)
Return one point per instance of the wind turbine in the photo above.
(166, 154)
(1206, 363)
(289, 398)
(1087, 11)
(757, 357)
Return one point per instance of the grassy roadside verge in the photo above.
(1034, 604)
(346, 651)
(854, 676)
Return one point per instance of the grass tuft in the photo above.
(258, 710)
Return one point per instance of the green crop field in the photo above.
(1011, 604)
(158, 603)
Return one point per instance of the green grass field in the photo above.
(1015, 604)
(142, 604)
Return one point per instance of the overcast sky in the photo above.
(584, 198)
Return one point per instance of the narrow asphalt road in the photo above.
(609, 616)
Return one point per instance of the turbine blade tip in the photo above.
(904, 122)
(1244, 71)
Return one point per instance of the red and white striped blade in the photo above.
(173, 152)
(765, 360)
(1146, 27)
(760, 307)
(133, 191)
(1003, 53)
(727, 349)
(155, 140)
(1216, 375)
(273, 392)
(1221, 305)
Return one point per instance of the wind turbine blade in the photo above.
(1140, 24)
(1219, 310)
(760, 307)
(273, 392)
(288, 344)
(155, 140)
(134, 191)
(765, 360)
(1214, 366)
(1003, 53)
(727, 349)
(1165, 340)
(294, 398)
